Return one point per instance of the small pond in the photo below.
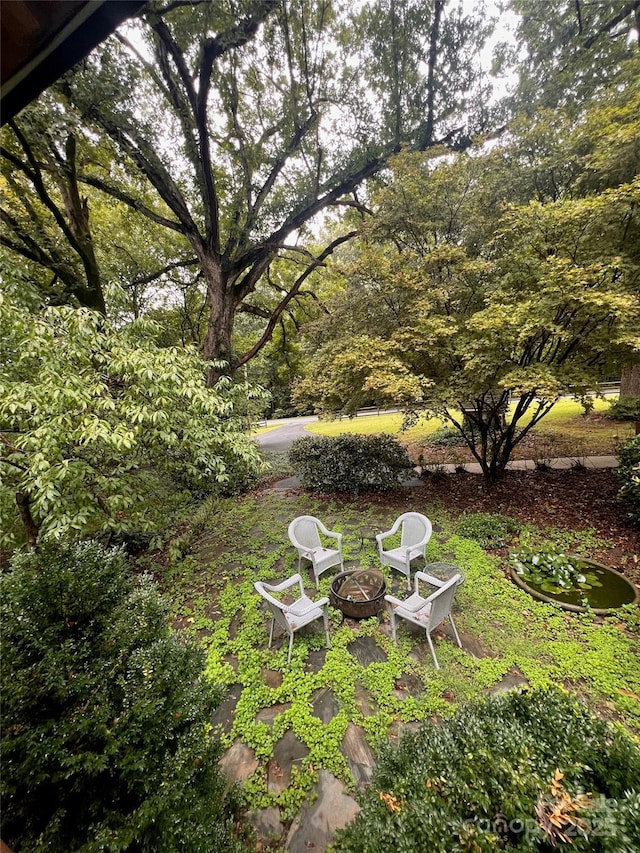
(615, 590)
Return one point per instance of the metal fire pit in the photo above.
(358, 593)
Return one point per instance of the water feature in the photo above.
(615, 589)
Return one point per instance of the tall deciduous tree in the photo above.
(44, 213)
(535, 304)
(75, 245)
(248, 119)
(572, 49)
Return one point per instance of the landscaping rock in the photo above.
(268, 715)
(239, 762)
(266, 823)
(272, 678)
(359, 754)
(399, 728)
(315, 660)
(474, 646)
(224, 713)
(365, 702)
(314, 828)
(325, 705)
(286, 753)
(514, 678)
(366, 651)
(408, 685)
(289, 483)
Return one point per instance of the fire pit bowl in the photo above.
(358, 593)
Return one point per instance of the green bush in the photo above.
(350, 463)
(445, 436)
(624, 409)
(490, 529)
(629, 475)
(105, 744)
(491, 778)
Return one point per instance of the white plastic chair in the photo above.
(416, 532)
(291, 617)
(304, 535)
(429, 612)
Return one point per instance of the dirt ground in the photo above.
(574, 499)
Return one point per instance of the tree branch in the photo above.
(130, 201)
(268, 332)
(626, 10)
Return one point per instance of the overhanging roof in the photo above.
(42, 39)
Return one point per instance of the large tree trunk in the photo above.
(630, 385)
(89, 293)
(630, 381)
(222, 307)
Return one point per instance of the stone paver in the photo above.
(287, 752)
(315, 660)
(266, 823)
(314, 828)
(474, 646)
(224, 713)
(514, 678)
(325, 705)
(239, 762)
(272, 678)
(268, 715)
(359, 754)
(366, 651)
(408, 685)
(365, 701)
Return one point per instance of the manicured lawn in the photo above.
(506, 635)
(565, 426)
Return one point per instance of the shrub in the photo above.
(629, 475)
(519, 771)
(105, 744)
(624, 409)
(490, 529)
(445, 436)
(350, 463)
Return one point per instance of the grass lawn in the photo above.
(228, 544)
(565, 429)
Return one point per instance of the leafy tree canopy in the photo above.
(245, 121)
(84, 406)
(458, 296)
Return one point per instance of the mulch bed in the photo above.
(573, 499)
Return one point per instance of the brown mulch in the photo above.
(574, 499)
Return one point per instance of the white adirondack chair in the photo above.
(428, 612)
(416, 532)
(304, 533)
(291, 617)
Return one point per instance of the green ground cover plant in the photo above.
(527, 771)
(510, 633)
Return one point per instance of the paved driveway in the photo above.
(282, 438)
